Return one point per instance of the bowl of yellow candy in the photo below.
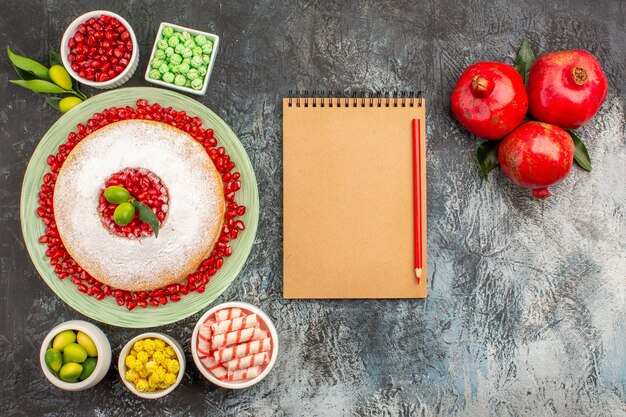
(151, 365)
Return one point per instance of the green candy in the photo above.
(196, 62)
(159, 54)
(187, 61)
(186, 53)
(200, 40)
(169, 51)
(179, 48)
(162, 44)
(180, 80)
(156, 63)
(54, 360)
(186, 35)
(202, 71)
(164, 68)
(188, 83)
(196, 84)
(192, 74)
(183, 68)
(168, 31)
(196, 51)
(173, 41)
(176, 59)
(206, 59)
(189, 43)
(168, 77)
(207, 48)
(155, 74)
(88, 367)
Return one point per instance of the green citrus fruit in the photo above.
(70, 371)
(63, 339)
(74, 353)
(54, 360)
(68, 103)
(86, 342)
(88, 367)
(60, 77)
(124, 214)
(116, 194)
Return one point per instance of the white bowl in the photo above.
(124, 75)
(212, 37)
(121, 365)
(104, 355)
(249, 308)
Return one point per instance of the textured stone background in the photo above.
(527, 299)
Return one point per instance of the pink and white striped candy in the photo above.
(258, 359)
(228, 313)
(204, 338)
(247, 373)
(238, 336)
(227, 326)
(244, 349)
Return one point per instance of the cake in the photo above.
(194, 210)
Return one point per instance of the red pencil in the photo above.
(417, 197)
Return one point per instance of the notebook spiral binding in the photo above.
(356, 99)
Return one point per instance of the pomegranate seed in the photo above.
(131, 305)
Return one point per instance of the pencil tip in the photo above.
(418, 273)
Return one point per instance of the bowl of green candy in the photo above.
(182, 58)
(75, 355)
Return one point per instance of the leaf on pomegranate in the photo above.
(54, 102)
(147, 215)
(524, 59)
(581, 156)
(487, 156)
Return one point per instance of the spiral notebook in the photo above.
(348, 196)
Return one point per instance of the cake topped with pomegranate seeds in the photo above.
(190, 204)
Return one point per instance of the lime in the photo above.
(53, 360)
(86, 342)
(116, 194)
(74, 353)
(70, 371)
(68, 103)
(63, 339)
(88, 367)
(60, 77)
(124, 214)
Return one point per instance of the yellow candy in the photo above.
(138, 346)
(130, 360)
(143, 373)
(159, 344)
(143, 356)
(169, 351)
(131, 375)
(142, 385)
(148, 346)
(137, 366)
(169, 379)
(173, 366)
(158, 357)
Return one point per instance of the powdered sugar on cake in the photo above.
(195, 210)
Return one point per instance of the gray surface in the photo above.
(526, 309)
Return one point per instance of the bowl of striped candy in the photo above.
(234, 345)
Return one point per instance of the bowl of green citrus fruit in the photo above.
(75, 355)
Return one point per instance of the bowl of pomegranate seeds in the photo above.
(100, 49)
(234, 345)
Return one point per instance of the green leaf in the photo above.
(54, 102)
(40, 86)
(524, 60)
(487, 156)
(55, 58)
(28, 64)
(581, 156)
(25, 75)
(147, 215)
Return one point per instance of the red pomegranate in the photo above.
(566, 88)
(489, 99)
(537, 155)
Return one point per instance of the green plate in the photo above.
(107, 310)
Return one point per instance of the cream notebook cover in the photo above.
(348, 197)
